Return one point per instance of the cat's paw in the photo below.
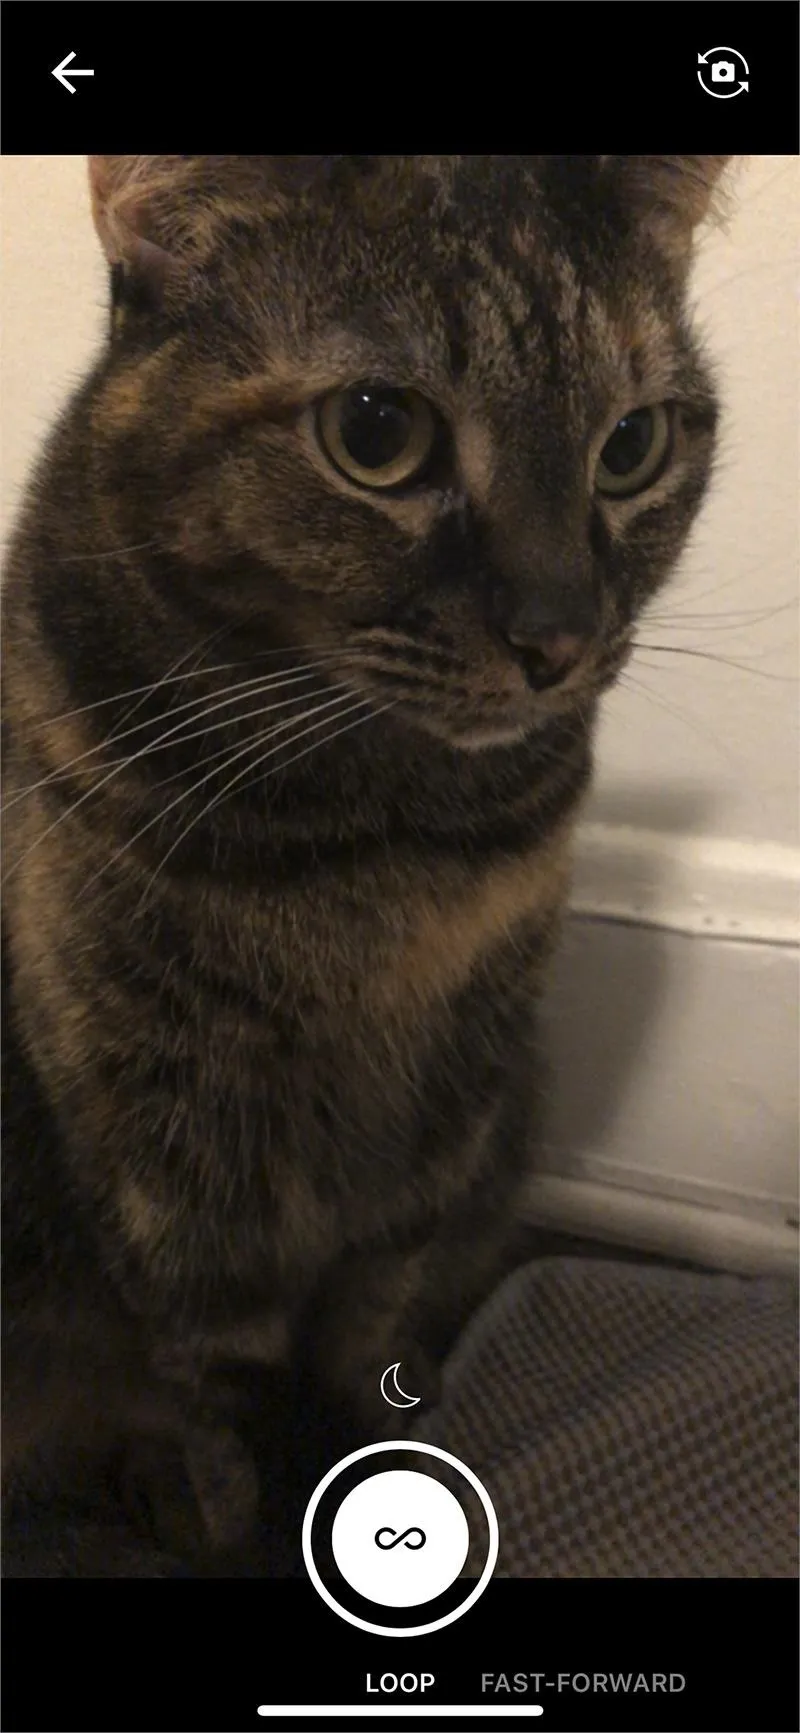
(192, 1496)
(225, 1484)
(157, 1496)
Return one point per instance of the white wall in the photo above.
(692, 828)
(721, 759)
(675, 1036)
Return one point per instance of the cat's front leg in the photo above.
(363, 1323)
(198, 1489)
(381, 1305)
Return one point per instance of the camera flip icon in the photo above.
(720, 72)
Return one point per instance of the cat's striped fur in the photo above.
(287, 831)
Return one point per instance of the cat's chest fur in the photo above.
(287, 1069)
(390, 939)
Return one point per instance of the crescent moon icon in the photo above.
(399, 1399)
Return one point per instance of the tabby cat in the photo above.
(318, 584)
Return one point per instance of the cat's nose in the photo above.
(549, 642)
(548, 658)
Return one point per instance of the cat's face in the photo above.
(441, 417)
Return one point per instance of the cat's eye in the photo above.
(379, 436)
(637, 452)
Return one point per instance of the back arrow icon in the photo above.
(74, 72)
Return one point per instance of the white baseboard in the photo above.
(673, 1027)
(709, 886)
(713, 1238)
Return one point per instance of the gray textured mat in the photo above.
(626, 1420)
(631, 1421)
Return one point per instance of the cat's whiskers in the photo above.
(243, 717)
(703, 733)
(709, 656)
(261, 683)
(104, 554)
(360, 705)
(120, 765)
(197, 651)
(170, 679)
(186, 793)
(684, 593)
(190, 655)
(108, 553)
(698, 301)
(732, 620)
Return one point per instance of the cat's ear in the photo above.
(161, 216)
(139, 208)
(670, 196)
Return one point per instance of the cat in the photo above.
(319, 582)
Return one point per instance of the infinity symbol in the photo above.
(386, 1545)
